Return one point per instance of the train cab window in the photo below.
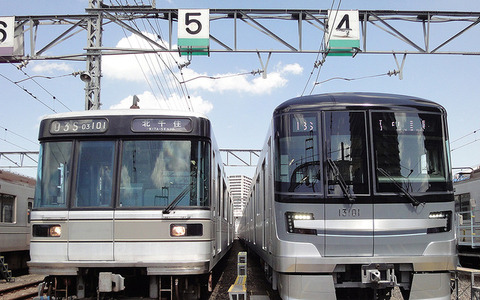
(159, 173)
(410, 152)
(94, 174)
(53, 175)
(346, 153)
(297, 161)
(7, 208)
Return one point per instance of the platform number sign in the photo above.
(7, 29)
(194, 31)
(343, 32)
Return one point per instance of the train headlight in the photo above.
(178, 230)
(55, 231)
(41, 230)
(446, 215)
(292, 216)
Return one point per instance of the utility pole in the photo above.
(93, 57)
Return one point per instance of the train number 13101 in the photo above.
(349, 212)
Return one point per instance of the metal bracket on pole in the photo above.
(400, 67)
(264, 68)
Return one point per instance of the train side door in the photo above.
(348, 209)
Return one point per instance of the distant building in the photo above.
(239, 190)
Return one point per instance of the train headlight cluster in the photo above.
(47, 230)
(177, 230)
(292, 216)
(446, 215)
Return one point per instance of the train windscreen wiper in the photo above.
(175, 202)
(341, 182)
(414, 201)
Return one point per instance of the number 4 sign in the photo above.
(343, 33)
(193, 31)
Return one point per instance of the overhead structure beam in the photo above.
(308, 34)
(26, 159)
(241, 157)
(303, 27)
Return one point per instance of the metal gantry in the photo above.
(285, 31)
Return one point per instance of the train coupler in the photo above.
(379, 275)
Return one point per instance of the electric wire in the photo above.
(319, 63)
(164, 89)
(468, 134)
(42, 87)
(28, 92)
(20, 136)
(390, 73)
(154, 72)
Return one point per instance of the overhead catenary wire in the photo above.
(468, 134)
(29, 93)
(319, 63)
(165, 88)
(18, 135)
(42, 87)
(389, 73)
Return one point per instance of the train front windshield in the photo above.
(331, 153)
(151, 174)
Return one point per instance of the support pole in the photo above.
(94, 57)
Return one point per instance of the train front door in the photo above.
(90, 231)
(349, 222)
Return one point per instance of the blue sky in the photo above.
(240, 107)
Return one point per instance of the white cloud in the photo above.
(174, 102)
(135, 67)
(295, 69)
(49, 68)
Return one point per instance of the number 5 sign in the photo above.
(193, 31)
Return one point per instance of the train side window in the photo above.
(346, 149)
(7, 206)
(53, 175)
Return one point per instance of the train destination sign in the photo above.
(162, 125)
(79, 126)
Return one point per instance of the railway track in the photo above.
(24, 288)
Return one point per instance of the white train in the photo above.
(353, 196)
(129, 201)
(16, 201)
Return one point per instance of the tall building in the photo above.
(239, 190)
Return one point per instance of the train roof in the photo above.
(16, 178)
(126, 112)
(357, 101)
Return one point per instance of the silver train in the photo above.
(352, 197)
(16, 201)
(133, 202)
(467, 207)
